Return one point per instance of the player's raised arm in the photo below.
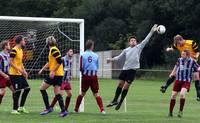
(146, 40)
(196, 50)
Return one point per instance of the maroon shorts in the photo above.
(178, 85)
(90, 81)
(4, 83)
(66, 86)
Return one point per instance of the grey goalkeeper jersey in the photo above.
(132, 54)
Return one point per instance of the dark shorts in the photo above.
(4, 83)
(19, 82)
(127, 75)
(56, 81)
(89, 81)
(66, 86)
(178, 85)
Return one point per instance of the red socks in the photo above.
(78, 102)
(182, 103)
(1, 97)
(54, 101)
(172, 104)
(100, 103)
(67, 101)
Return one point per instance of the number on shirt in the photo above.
(90, 59)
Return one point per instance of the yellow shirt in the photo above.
(188, 45)
(55, 54)
(17, 55)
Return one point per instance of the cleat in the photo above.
(163, 89)
(112, 104)
(103, 112)
(63, 114)
(170, 115)
(180, 114)
(118, 106)
(15, 112)
(23, 110)
(47, 111)
(198, 99)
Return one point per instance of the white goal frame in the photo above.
(67, 20)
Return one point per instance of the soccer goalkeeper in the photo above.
(132, 63)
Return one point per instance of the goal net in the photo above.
(69, 33)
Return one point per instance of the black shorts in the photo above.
(57, 80)
(19, 82)
(127, 75)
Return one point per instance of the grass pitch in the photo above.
(145, 104)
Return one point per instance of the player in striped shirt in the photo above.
(183, 72)
(89, 64)
(66, 84)
(4, 69)
(182, 44)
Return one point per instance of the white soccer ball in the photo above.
(161, 29)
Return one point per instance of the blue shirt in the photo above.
(89, 63)
(184, 70)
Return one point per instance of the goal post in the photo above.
(68, 32)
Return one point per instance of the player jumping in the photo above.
(55, 77)
(182, 44)
(89, 63)
(66, 85)
(132, 63)
(183, 73)
(18, 76)
(4, 69)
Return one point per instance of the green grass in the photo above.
(145, 104)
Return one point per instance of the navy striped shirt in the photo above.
(67, 63)
(4, 62)
(184, 70)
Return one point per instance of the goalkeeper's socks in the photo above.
(197, 86)
(1, 97)
(124, 93)
(54, 101)
(182, 103)
(170, 81)
(100, 103)
(172, 104)
(45, 98)
(117, 94)
(24, 96)
(67, 101)
(78, 102)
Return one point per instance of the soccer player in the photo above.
(18, 76)
(89, 63)
(182, 44)
(66, 85)
(132, 63)
(4, 69)
(55, 77)
(183, 73)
